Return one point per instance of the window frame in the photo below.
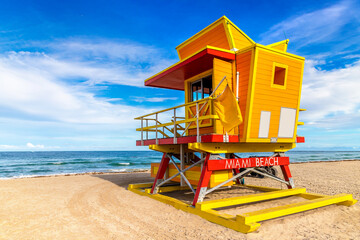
(201, 84)
(274, 85)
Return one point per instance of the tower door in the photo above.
(222, 68)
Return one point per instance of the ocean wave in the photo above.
(128, 170)
(124, 163)
(58, 163)
(40, 170)
(76, 173)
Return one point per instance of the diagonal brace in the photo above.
(182, 175)
(270, 176)
(241, 174)
(177, 174)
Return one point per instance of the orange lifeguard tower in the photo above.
(240, 96)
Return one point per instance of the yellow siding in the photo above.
(243, 66)
(240, 40)
(221, 68)
(267, 98)
(281, 46)
(215, 37)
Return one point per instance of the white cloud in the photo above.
(103, 49)
(30, 145)
(320, 27)
(331, 97)
(93, 69)
(152, 99)
(36, 84)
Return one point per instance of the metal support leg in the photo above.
(203, 181)
(160, 174)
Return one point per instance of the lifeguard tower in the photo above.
(240, 97)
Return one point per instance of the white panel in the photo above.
(287, 123)
(264, 124)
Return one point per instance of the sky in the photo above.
(72, 72)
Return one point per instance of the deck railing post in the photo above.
(142, 137)
(197, 123)
(175, 140)
(147, 132)
(156, 128)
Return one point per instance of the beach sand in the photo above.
(99, 207)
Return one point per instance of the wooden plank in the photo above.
(249, 198)
(280, 211)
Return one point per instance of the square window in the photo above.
(279, 76)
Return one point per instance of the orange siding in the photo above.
(240, 40)
(243, 66)
(216, 37)
(222, 68)
(267, 98)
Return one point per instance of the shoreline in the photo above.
(143, 170)
(77, 174)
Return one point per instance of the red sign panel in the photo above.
(236, 163)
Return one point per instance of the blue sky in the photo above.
(71, 72)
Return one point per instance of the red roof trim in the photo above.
(216, 53)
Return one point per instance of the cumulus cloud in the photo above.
(320, 27)
(44, 85)
(331, 96)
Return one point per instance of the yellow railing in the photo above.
(177, 126)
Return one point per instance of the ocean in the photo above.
(31, 164)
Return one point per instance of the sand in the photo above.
(100, 207)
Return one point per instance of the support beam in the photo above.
(161, 172)
(203, 181)
(249, 198)
(280, 211)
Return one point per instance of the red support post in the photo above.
(161, 172)
(204, 179)
(287, 174)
